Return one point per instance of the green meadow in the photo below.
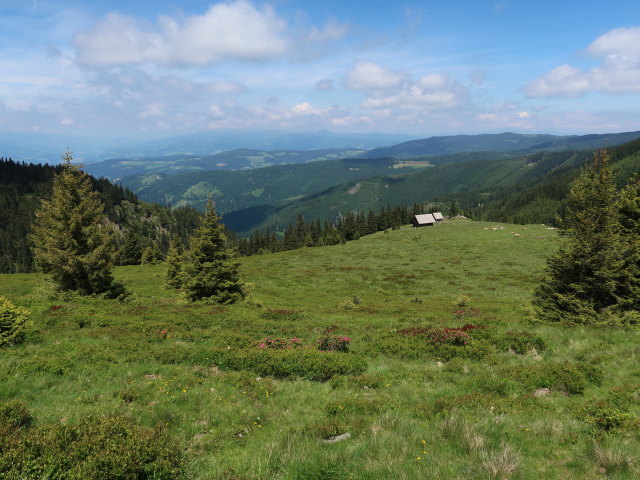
(447, 374)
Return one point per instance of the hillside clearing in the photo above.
(438, 317)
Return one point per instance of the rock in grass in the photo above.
(337, 438)
(541, 392)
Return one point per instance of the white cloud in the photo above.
(368, 76)
(618, 73)
(432, 92)
(524, 115)
(304, 108)
(234, 30)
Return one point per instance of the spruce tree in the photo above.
(71, 237)
(173, 260)
(582, 278)
(629, 282)
(131, 251)
(210, 269)
(151, 255)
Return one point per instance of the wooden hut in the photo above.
(425, 220)
(438, 216)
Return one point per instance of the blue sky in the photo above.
(162, 68)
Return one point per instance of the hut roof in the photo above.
(438, 216)
(425, 219)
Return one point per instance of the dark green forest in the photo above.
(139, 226)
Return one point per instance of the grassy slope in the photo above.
(102, 358)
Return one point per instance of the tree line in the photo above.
(350, 226)
(143, 231)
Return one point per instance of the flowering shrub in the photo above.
(452, 336)
(334, 343)
(280, 343)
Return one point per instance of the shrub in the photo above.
(279, 343)
(14, 322)
(282, 315)
(289, 363)
(96, 448)
(359, 381)
(569, 377)
(606, 417)
(521, 342)
(14, 415)
(334, 343)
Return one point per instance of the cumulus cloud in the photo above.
(235, 30)
(367, 76)
(617, 73)
(390, 89)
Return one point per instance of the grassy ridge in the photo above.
(419, 410)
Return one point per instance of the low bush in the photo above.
(283, 315)
(14, 322)
(280, 343)
(14, 415)
(604, 416)
(568, 377)
(521, 342)
(290, 363)
(417, 342)
(358, 381)
(95, 448)
(334, 343)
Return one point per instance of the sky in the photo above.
(162, 68)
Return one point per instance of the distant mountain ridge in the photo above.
(37, 147)
(501, 142)
(238, 159)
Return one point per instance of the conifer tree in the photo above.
(210, 270)
(151, 255)
(173, 260)
(629, 282)
(583, 276)
(71, 238)
(131, 251)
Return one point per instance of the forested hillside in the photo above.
(538, 199)
(138, 225)
(523, 190)
(236, 190)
